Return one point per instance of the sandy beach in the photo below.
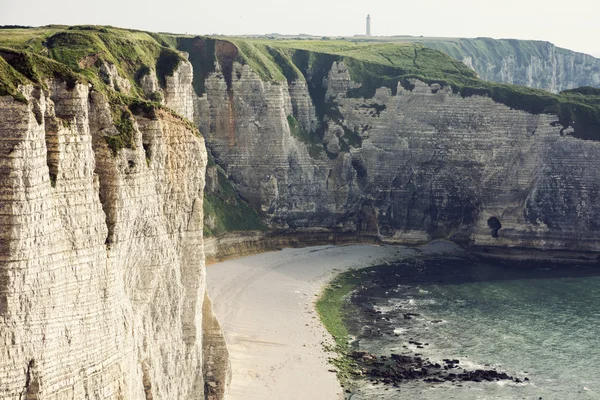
(265, 304)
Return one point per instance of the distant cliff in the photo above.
(530, 63)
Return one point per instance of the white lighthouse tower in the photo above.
(369, 25)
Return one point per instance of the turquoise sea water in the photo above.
(541, 322)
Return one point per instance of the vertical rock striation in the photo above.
(102, 291)
(408, 166)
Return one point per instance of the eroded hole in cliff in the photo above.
(52, 149)
(147, 152)
(494, 225)
(227, 53)
(32, 383)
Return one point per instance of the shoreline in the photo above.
(245, 243)
(266, 306)
(393, 327)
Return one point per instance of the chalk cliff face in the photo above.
(102, 290)
(409, 167)
(524, 62)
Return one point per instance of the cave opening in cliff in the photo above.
(494, 225)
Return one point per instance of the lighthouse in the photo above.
(368, 25)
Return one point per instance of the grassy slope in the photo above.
(229, 211)
(76, 53)
(386, 64)
(482, 47)
(82, 48)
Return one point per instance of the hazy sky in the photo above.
(574, 24)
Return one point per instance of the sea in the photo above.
(539, 321)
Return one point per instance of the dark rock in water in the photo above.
(433, 380)
(399, 368)
(448, 361)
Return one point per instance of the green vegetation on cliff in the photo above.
(525, 62)
(375, 65)
(82, 50)
(224, 210)
(11, 79)
(81, 54)
(78, 54)
(532, 63)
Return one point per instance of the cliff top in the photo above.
(450, 45)
(80, 52)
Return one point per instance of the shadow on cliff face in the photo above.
(227, 53)
(4, 283)
(494, 225)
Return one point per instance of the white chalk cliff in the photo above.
(102, 283)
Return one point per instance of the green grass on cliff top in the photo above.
(278, 60)
(75, 54)
(81, 49)
(77, 50)
(374, 65)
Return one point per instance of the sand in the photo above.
(265, 304)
